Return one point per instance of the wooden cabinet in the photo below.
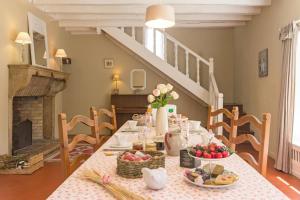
(128, 105)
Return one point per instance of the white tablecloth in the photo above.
(250, 186)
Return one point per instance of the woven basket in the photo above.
(131, 169)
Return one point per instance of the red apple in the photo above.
(206, 155)
(213, 154)
(219, 155)
(225, 154)
(198, 153)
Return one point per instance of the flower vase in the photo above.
(161, 121)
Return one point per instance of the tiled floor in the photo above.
(42, 183)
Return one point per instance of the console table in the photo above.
(128, 105)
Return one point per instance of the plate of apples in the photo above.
(212, 151)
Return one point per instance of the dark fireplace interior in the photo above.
(22, 135)
(31, 133)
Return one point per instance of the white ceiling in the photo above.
(84, 16)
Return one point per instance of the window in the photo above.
(296, 127)
(159, 42)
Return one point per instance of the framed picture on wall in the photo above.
(108, 63)
(263, 63)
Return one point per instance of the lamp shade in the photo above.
(116, 77)
(160, 16)
(23, 38)
(60, 53)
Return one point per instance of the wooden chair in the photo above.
(231, 129)
(112, 126)
(262, 147)
(66, 147)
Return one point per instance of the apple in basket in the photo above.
(136, 157)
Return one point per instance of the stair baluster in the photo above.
(187, 73)
(176, 55)
(211, 96)
(198, 71)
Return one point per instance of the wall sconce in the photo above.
(23, 38)
(116, 78)
(60, 53)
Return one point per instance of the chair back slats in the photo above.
(65, 147)
(249, 159)
(112, 125)
(81, 138)
(111, 114)
(263, 128)
(231, 129)
(248, 138)
(106, 112)
(106, 125)
(221, 124)
(222, 111)
(249, 119)
(79, 119)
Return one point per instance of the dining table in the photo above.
(251, 184)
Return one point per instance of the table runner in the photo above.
(250, 186)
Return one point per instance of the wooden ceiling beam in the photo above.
(179, 9)
(79, 29)
(109, 23)
(197, 17)
(148, 2)
(84, 33)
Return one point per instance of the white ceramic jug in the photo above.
(174, 142)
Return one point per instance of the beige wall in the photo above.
(262, 94)
(91, 84)
(13, 20)
(214, 43)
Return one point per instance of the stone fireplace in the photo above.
(32, 91)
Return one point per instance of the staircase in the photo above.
(128, 38)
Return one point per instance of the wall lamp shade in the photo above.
(23, 38)
(60, 53)
(160, 16)
(116, 77)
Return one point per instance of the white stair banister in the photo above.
(216, 98)
(154, 50)
(165, 49)
(133, 32)
(143, 35)
(198, 71)
(187, 73)
(176, 55)
(154, 41)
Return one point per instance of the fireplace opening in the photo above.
(22, 135)
(32, 125)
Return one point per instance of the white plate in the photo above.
(210, 186)
(120, 146)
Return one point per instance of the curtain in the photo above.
(288, 36)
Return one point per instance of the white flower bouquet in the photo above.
(161, 96)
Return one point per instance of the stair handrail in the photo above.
(215, 97)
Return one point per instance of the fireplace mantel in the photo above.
(20, 77)
(40, 82)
